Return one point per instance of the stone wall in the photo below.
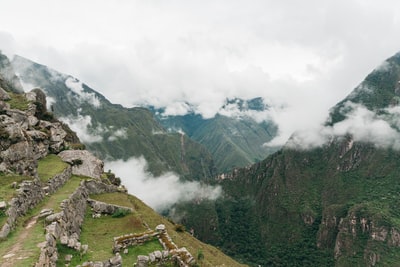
(181, 256)
(124, 241)
(65, 226)
(99, 208)
(30, 193)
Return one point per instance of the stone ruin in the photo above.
(171, 252)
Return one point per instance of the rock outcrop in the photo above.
(83, 163)
(24, 138)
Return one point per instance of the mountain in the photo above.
(59, 208)
(234, 140)
(334, 204)
(331, 202)
(112, 131)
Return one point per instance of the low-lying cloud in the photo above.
(159, 192)
(361, 123)
(83, 126)
(76, 87)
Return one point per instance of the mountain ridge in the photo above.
(45, 188)
(330, 204)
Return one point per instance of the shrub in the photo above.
(200, 255)
(119, 213)
(179, 228)
(77, 162)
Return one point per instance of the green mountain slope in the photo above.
(335, 205)
(45, 213)
(234, 141)
(114, 131)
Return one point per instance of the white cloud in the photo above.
(50, 102)
(118, 134)
(301, 57)
(76, 87)
(159, 192)
(361, 123)
(82, 125)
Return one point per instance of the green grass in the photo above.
(50, 166)
(7, 192)
(18, 101)
(77, 258)
(133, 252)
(143, 213)
(29, 248)
(98, 234)
(69, 187)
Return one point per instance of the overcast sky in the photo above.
(301, 56)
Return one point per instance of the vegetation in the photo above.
(232, 142)
(119, 213)
(50, 166)
(18, 101)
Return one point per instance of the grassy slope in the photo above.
(233, 142)
(99, 233)
(162, 151)
(50, 166)
(95, 231)
(29, 250)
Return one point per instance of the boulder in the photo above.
(116, 260)
(54, 229)
(158, 255)
(160, 228)
(142, 261)
(45, 212)
(4, 95)
(5, 231)
(152, 257)
(84, 248)
(83, 163)
(68, 258)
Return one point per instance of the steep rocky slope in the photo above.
(114, 132)
(56, 202)
(335, 204)
(236, 140)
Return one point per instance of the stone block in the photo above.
(68, 258)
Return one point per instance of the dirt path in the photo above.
(16, 252)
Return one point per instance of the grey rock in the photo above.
(54, 229)
(90, 167)
(98, 264)
(158, 254)
(160, 228)
(5, 230)
(68, 258)
(4, 95)
(85, 248)
(78, 246)
(152, 257)
(54, 217)
(64, 240)
(116, 260)
(45, 212)
(142, 261)
(3, 205)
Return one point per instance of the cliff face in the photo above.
(330, 205)
(24, 137)
(115, 132)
